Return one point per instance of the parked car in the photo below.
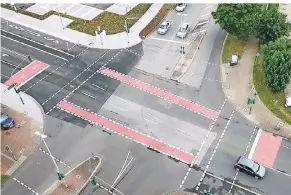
(250, 167)
(164, 27)
(181, 7)
(288, 102)
(6, 122)
(183, 30)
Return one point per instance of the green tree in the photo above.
(277, 64)
(238, 19)
(271, 26)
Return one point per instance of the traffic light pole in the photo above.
(58, 170)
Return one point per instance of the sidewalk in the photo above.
(52, 26)
(237, 86)
(76, 179)
(21, 138)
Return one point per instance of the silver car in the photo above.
(183, 30)
(164, 27)
(181, 7)
(250, 167)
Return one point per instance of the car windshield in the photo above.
(182, 29)
(163, 26)
(256, 167)
(180, 4)
(3, 117)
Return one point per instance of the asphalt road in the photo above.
(71, 139)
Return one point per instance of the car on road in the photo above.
(181, 7)
(250, 167)
(164, 27)
(6, 122)
(183, 30)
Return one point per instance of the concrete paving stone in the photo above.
(93, 13)
(37, 10)
(6, 163)
(121, 9)
(102, 6)
(73, 9)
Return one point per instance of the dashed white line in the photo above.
(125, 127)
(286, 147)
(246, 150)
(212, 155)
(203, 142)
(75, 79)
(118, 107)
(90, 96)
(40, 149)
(24, 185)
(98, 87)
(56, 69)
(147, 91)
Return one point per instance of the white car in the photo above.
(183, 30)
(181, 7)
(164, 27)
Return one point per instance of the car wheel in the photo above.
(257, 177)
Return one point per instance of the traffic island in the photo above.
(76, 179)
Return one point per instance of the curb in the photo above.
(255, 124)
(192, 58)
(57, 183)
(144, 37)
(95, 170)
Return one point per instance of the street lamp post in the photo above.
(182, 47)
(60, 175)
(126, 27)
(60, 17)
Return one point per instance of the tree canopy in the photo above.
(271, 26)
(238, 19)
(277, 64)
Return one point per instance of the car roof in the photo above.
(184, 25)
(3, 117)
(165, 23)
(245, 161)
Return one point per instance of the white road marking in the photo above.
(118, 107)
(123, 100)
(35, 48)
(253, 148)
(203, 142)
(286, 147)
(10, 64)
(278, 171)
(56, 69)
(216, 147)
(24, 185)
(20, 54)
(236, 185)
(98, 87)
(40, 149)
(5, 75)
(5, 55)
(39, 43)
(75, 79)
(206, 14)
(179, 131)
(90, 96)
(251, 138)
(167, 40)
(150, 120)
(153, 116)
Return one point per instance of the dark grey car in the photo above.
(250, 167)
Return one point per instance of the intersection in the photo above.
(182, 134)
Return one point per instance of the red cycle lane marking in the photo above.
(267, 149)
(131, 134)
(161, 93)
(27, 73)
